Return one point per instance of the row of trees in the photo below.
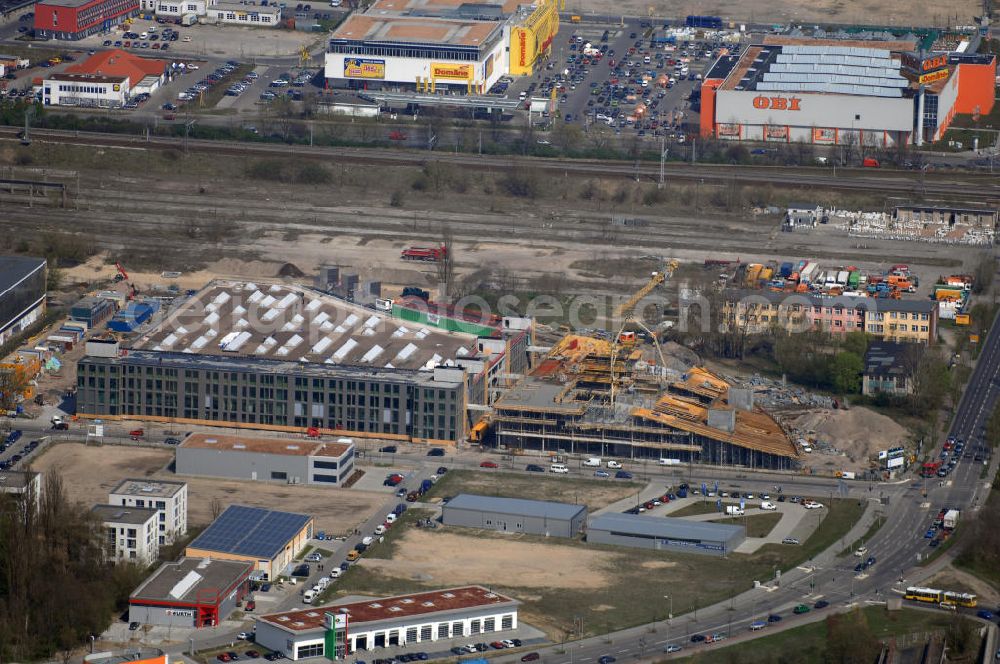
(55, 587)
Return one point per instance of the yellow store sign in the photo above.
(453, 72)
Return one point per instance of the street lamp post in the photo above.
(670, 614)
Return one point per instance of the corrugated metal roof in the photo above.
(665, 527)
(515, 506)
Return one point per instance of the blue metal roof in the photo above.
(251, 531)
(665, 527)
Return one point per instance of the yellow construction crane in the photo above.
(655, 280)
(620, 341)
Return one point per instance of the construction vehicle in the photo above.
(428, 254)
(655, 280)
(122, 275)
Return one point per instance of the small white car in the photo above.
(862, 550)
(812, 505)
(314, 558)
(614, 464)
(242, 636)
(367, 541)
(335, 574)
(390, 517)
(380, 529)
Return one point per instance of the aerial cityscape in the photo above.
(555, 331)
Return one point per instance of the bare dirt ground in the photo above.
(866, 12)
(858, 432)
(90, 472)
(471, 560)
(162, 211)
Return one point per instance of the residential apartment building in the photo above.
(169, 499)
(885, 319)
(130, 533)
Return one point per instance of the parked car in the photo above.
(623, 475)
(488, 464)
(601, 473)
(534, 468)
(435, 451)
(800, 609)
(530, 657)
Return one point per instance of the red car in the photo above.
(223, 657)
(489, 464)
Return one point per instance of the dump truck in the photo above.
(428, 254)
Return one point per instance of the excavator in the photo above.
(122, 275)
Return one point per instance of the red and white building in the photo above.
(831, 92)
(107, 79)
(346, 629)
(191, 592)
(76, 19)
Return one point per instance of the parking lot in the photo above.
(626, 77)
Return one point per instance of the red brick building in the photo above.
(76, 19)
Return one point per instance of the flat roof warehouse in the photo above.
(265, 445)
(392, 608)
(404, 30)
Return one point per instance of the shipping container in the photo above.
(786, 269)
(853, 280)
(842, 278)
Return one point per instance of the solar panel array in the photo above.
(833, 69)
(251, 531)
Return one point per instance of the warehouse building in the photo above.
(269, 539)
(191, 592)
(76, 19)
(514, 515)
(22, 294)
(665, 534)
(345, 629)
(278, 460)
(130, 533)
(287, 358)
(169, 499)
(835, 92)
(440, 45)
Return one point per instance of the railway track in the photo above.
(967, 187)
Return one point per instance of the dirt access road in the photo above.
(90, 472)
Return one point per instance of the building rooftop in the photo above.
(373, 27)
(819, 68)
(887, 358)
(117, 62)
(89, 78)
(290, 323)
(395, 608)
(720, 70)
(250, 531)
(14, 269)
(119, 514)
(65, 3)
(895, 45)
(869, 304)
(186, 579)
(286, 446)
(148, 488)
(665, 527)
(515, 506)
(15, 481)
(537, 395)
(441, 8)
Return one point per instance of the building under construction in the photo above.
(590, 396)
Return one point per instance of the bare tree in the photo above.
(446, 265)
(216, 507)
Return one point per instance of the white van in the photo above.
(308, 596)
(594, 462)
(558, 468)
(323, 583)
(670, 462)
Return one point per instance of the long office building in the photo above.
(285, 358)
